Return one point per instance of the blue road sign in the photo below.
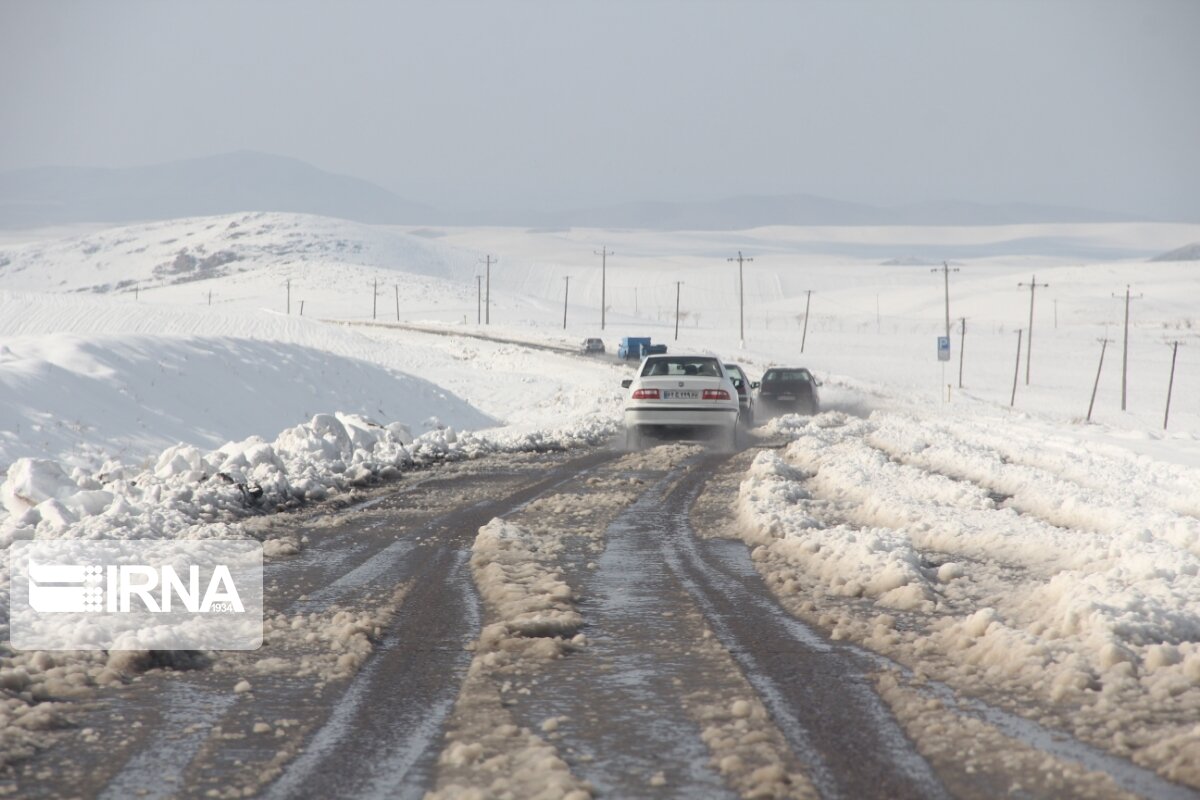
(943, 348)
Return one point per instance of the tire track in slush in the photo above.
(735, 584)
(819, 694)
(652, 572)
(384, 735)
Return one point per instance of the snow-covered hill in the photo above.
(218, 184)
(158, 254)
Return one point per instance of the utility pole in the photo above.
(742, 299)
(1125, 347)
(946, 269)
(1103, 345)
(1171, 383)
(478, 299)
(302, 308)
(1016, 371)
(677, 285)
(210, 297)
(566, 290)
(137, 290)
(374, 297)
(604, 254)
(962, 346)
(487, 296)
(807, 305)
(397, 301)
(1033, 285)
(289, 296)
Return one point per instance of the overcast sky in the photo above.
(544, 105)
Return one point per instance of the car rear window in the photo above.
(671, 366)
(788, 375)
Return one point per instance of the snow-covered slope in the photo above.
(201, 249)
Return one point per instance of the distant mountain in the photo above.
(1189, 252)
(248, 181)
(222, 184)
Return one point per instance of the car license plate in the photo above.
(675, 394)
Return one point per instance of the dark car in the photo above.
(743, 384)
(592, 345)
(789, 390)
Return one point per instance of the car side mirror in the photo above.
(737, 383)
(625, 384)
(754, 384)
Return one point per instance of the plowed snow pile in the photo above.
(974, 558)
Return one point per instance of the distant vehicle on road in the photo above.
(789, 390)
(631, 346)
(744, 387)
(681, 394)
(592, 345)
(639, 347)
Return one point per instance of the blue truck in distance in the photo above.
(638, 347)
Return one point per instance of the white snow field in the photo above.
(152, 379)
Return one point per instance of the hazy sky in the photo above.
(467, 105)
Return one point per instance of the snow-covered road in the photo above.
(581, 624)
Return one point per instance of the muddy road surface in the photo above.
(567, 625)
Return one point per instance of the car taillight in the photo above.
(645, 394)
(714, 394)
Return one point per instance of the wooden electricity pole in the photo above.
(807, 306)
(962, 342)
(478, 299)
(1125, 346)
(487, 296)
(742, 299)
(677, 285)
(397, 301)
(566, 291)
(1103, 346)
(604, 254)
(289, 296)
(374, 297)
(1016, 370)
(1033, 285)
(946, 269)
(1170, 383)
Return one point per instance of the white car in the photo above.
(681, 393)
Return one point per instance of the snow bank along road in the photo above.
(590, 623)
